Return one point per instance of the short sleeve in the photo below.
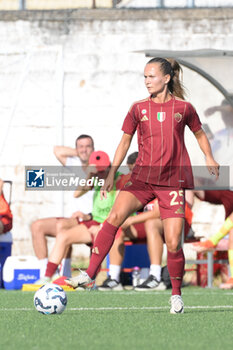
(193, 120)
(130, 122)
(73, 161)
(122, 180)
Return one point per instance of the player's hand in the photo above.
(91, 169)
(78, 214)
(211, 110)
(127, 223)
(107, 187)
(213, 167)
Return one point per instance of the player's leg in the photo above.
(154, 234)
(155, 240)
(229, 283)
(65, 223)
(175, 260)
(126, 203)
(77, 234)
(172, 212)
(212, 242)
(116, 257)
(65, 266)
(117, 251)
(40, 230)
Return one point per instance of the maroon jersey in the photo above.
(224, 197)
(163, 159)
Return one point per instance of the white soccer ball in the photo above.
(50, 299)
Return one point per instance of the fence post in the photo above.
(22, 5)
(191, 3)
(161, 3)
(114, 3)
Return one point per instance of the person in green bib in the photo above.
(88, 224)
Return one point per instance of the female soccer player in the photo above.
(162, 169)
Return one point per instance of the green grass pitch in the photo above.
(119, 320)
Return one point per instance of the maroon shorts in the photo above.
(89, 223)
(141, 232)
(171, 200)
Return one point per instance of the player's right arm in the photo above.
(119, 156)
(81, 190)
(139, 218)
(63, 152)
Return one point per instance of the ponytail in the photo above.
(171, 67)
(175, 85)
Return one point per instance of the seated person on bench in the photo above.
(224, 197)
(145, 225)
(6, 218)
(85, 231)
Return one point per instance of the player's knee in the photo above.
(173, 246)
(115, 219)
(59, 225)
(36, 227)
(62, 237)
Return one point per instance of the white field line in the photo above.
(126, 308)
(156, 292)
(147, 308)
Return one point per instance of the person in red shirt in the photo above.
(6, 217)
(146, 225)
(162, 170)
(224, 197)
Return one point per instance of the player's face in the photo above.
(84, 149)
(130, 166)
(155, 81)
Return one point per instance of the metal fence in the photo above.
(92, 4)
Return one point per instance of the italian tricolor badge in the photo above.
(161, 116)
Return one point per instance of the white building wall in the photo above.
(103, 76)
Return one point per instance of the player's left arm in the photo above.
(81, 190)
(139, 218)
(212, 165)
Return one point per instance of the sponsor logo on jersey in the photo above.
(129, 183)
(144, 118)
(180, 211)
(161, 116)
(178, 117)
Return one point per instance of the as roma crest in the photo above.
(178, 117)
